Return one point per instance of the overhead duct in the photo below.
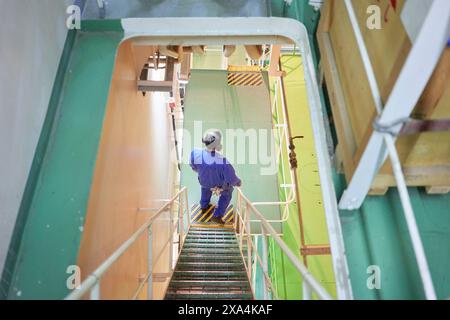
(228, 50)
(255, 51)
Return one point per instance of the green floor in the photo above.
(211, 103)
(377, 235)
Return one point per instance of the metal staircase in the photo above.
(215, 261)
(210, 266)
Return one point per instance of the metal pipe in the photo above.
(307, 293)
(95, 293)
(265, 263)
(307, 276)
(171, 231)
(92, 279)
(410, 219)
(150, 264)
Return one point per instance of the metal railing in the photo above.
(282, 130)
(92, 284)
(242, 224)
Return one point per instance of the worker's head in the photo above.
(212, 140)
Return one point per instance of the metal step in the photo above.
(212, 231)
(209, 238)
(218, 245)
(210, 275)
(211, 252)
(209, 296)
(210, 266)
(209, 284)
(210, 258)
(211, 234)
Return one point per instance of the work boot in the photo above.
(217, 220)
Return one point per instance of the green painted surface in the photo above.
(288, 280)
(377, 235)
(53, 228)
(102, 25)
(36, 165)
(211, 103)
(299, 10)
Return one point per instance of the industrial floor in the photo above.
(211, 103)
(54, 204)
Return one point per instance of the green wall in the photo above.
(49, 229)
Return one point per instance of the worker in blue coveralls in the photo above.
(215, 174)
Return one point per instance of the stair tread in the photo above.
(210, 266)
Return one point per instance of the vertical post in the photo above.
(249, 244)
(150, 264)
(265, 262)
(235, 213)
(307, 292)
(95, 292)
(186, 205)
(414, 234)
(171, 231)
(181, 225)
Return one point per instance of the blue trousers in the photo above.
(224, 201)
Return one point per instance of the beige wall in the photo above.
(32, 37)
(135, 168)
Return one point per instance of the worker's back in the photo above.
(213, 169)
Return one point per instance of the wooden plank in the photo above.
(325, 17)
(275, 61)
(435, 89)
(338, 103)
(123, 181)
(438, 190)
(141, 54)
(388, 47)
(425, 157)
(355, 85)
(378, 191)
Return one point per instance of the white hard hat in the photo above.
(212, 140)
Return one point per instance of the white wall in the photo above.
(32, 36)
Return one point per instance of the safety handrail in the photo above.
(92, 283)
(284, 138)
(243, 230)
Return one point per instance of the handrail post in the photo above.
(307, 292)
(265, 265)
(95, 292)
(171, 238)
(150, 264)
(186, 205)
(249, 245)
(181, 226)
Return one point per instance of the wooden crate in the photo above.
(426, 156)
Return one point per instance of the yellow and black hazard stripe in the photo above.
(197, 216)
(229, 215)
(245, 76)
(247, 79)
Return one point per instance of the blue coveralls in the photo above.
(214, 171)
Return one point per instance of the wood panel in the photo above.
(129, 174)
(425, 157)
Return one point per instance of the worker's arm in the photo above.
(192, 162)
(231, 179)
